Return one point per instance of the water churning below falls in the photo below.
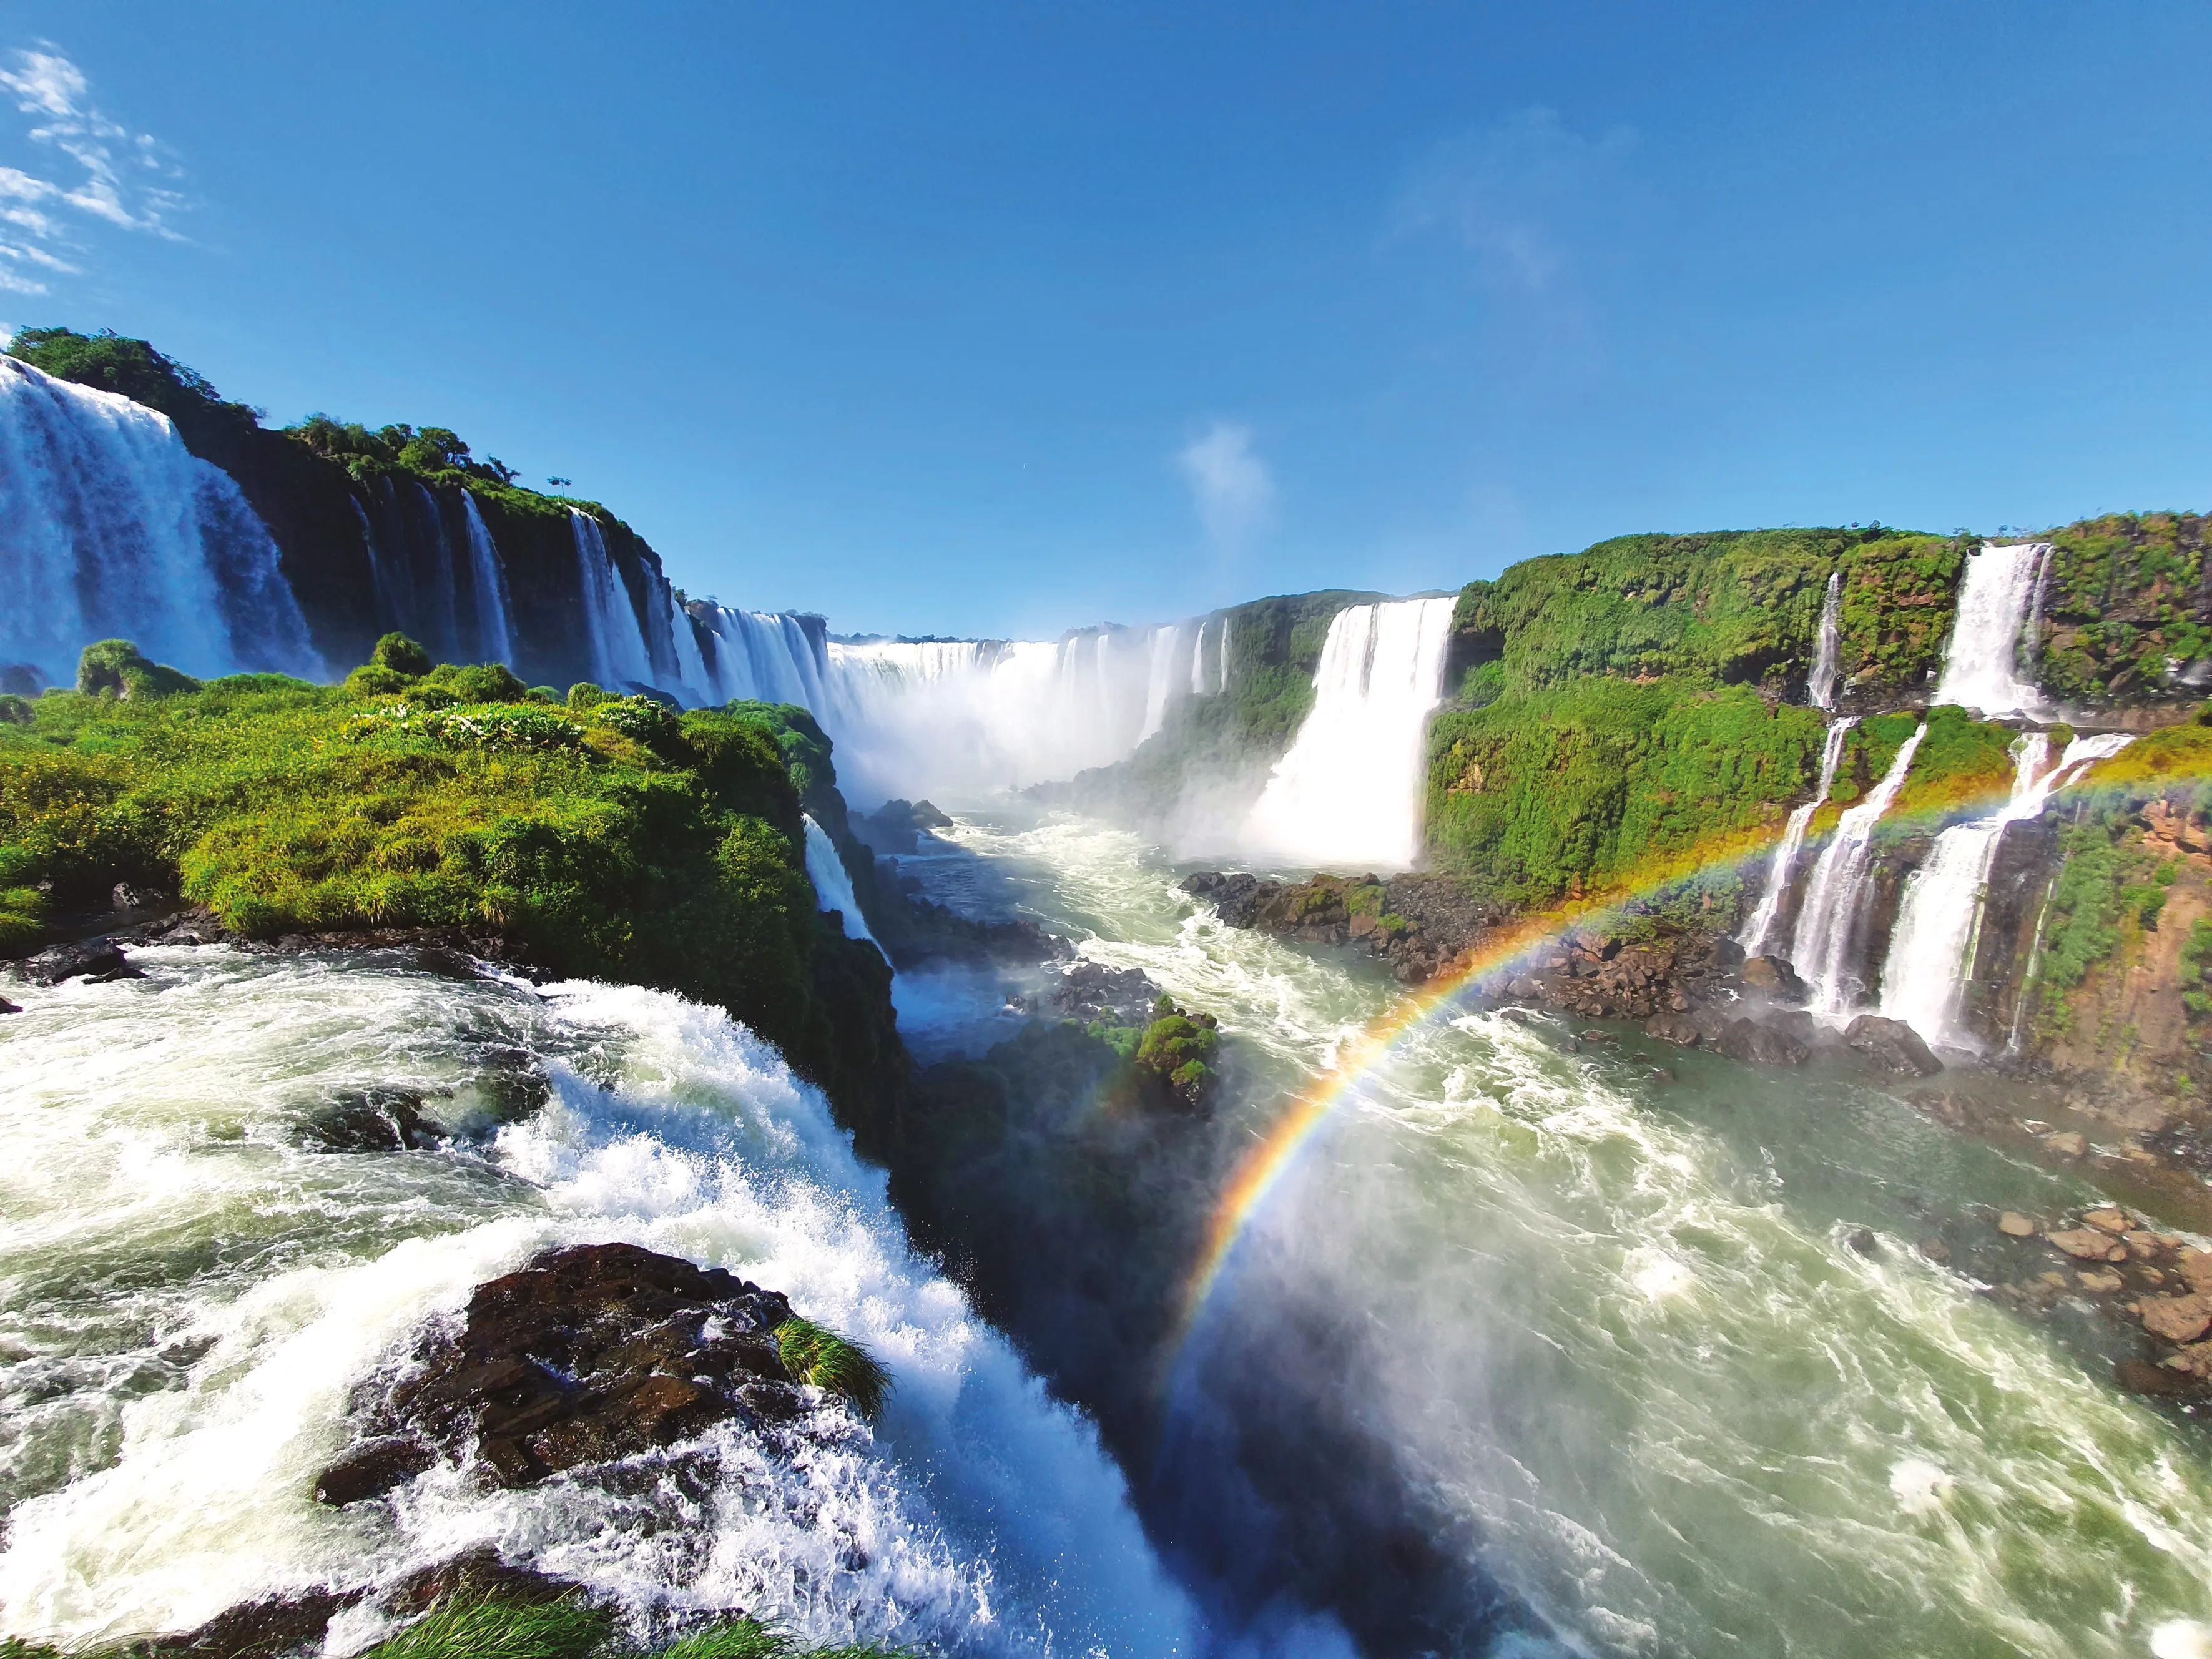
(199, 1268)
(1610, 1328)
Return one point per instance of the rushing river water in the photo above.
(1613, 1322)
(1608, 1320)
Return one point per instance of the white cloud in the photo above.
(1512, 191)
(123, 179)
(1230, 484)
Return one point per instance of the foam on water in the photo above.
(180, 1228)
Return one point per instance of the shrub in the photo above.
(823, 1359)
(488, 682)
(401, 655)
(374, 679)
(583, 695)
(15, 710)
(119, 668)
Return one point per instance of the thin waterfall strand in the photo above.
(1828, 650)
(1820, 947)
(833, 884)
(494, 624)
(1784, 868)
(1932, 948)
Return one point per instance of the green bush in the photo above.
(821, 1358)
(583, 695)
(117, 668)
(401, 655)
(15, 710)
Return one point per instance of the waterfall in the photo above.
(1780, 872)
(619, 657)
(495, 628)
(833, 885)
(1198, 663)
(1820, 948)
(110, 528)
(1349, 791)
(1932, 949)
(1160, 682)
(768, 656)
(1827, 652)
(1996, 601)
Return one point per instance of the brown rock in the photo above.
(2086, 1246)
(2144, 1247)
(2140, 1376)
(2195, 1267)
(2107, 1221)
(2013, 1224)
(2067, 1144)
(2103, 1281)
(2177, 1318)
(372, 1468)
(279, 1624)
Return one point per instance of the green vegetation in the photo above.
(1962, 764)
(109, 362)
(1731, 607)
(2196, 969)
(2123, 603)
(118, 667)
(2108, 892)
(1550, 795)
(466, 1628)
(624, 841)
(1178, 1050)
(823, 1359)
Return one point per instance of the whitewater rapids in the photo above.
(1613, 1324)
(194, 1284)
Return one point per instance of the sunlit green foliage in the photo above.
(1547, 794)
(469, 1628)
(821, 1358)
(2123, 603)
(625, 841)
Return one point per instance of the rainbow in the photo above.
(1263, 1170)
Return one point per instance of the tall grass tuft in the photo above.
(826, 1360)
(468, 1628)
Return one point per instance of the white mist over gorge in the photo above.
(1651, 1103)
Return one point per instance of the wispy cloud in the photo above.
(1230, 484)
(119, 178)
(1510, 193)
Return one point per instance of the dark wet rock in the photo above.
(372, 1121)
(8, 1007)
(931, 931)
(478, 1575)
(2144, 1377)
(1773, 977)
(1890, 1047)
(98, 960)
(1757, 1044)
(371, 1469)
(897, 826)
(1677, 1028)
(588, 1354)
(1934, 1249)
(1117, 996)
(1861, 1240)
(274, 1625)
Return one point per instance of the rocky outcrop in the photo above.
(587, 1355)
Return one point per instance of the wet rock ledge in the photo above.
(597, 1362)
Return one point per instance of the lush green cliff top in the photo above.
(614, 839)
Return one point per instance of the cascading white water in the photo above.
(833, 884)
(495, 623)
(1820, 947)
(1198, 663)
(1349, 791)
(196, 1285)
(1828, 649)
(1160, 682)
(767, 656)
(619, 657)
(1996, 601)
(966, 718)
(1932, 948)
(110, 528)
(1780, 872)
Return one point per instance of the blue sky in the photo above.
(1003, 319)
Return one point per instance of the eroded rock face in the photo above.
(589, 1353)
(1092, 990)
(1890, 1047)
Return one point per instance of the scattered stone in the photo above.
(2195, 1267)
(2055, 1281)
(1936, 1250)
(1518, 1016)
(2140, 1376)
(1092, 990)
(98, 960)
(1861, 1239)
(371, 1468)
(2176, 1318)
(2083, 1245)
(1891, 1046)
(1758, 1044)
(2195, 1360)
(1673, 1028)
(1600, 1037)
(2107, 1221)
(2067, 1144)
(2103, 1281)
(2142, 1245)
(2013, 1224)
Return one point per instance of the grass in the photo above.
(821, 1358)
(468, 1628)
(620, 841)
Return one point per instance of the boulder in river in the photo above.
(588, 1354)
(98, 960)
(1773, 977)
(1761, 1045)
(2177, 1318)
(1891, 1046)
(2085, 1244)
